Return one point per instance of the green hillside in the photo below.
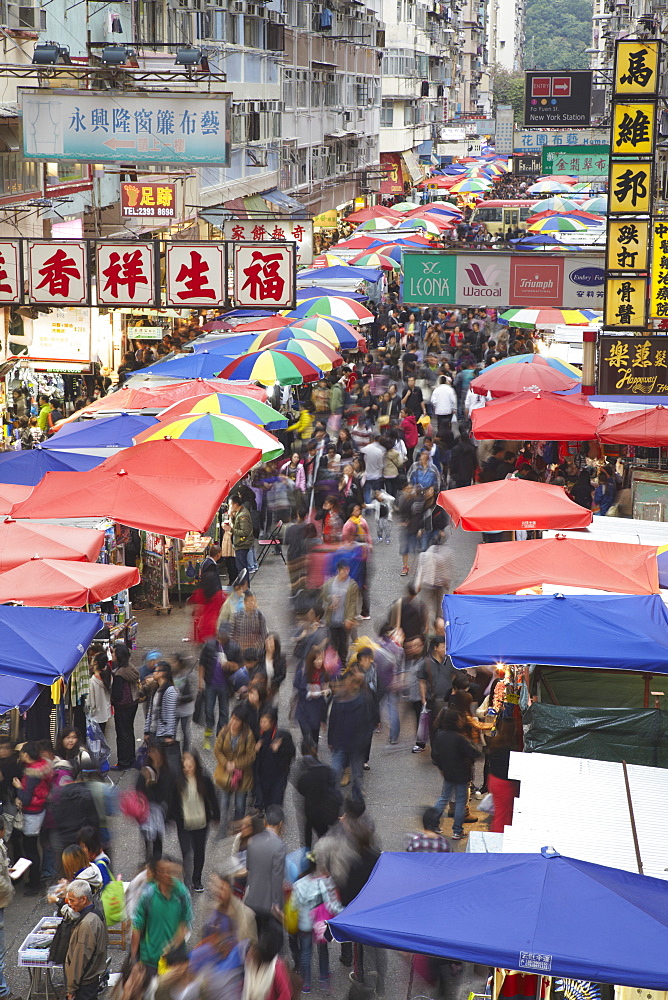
(557, 32)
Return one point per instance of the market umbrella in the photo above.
(599, 204)
(303, 287)
(425, 225)
(528, 416)
(472, 186)
(391, 251)
(542, 913)
(349, 274)
(227, 404)
(646, 427)
(202, 364)
(328, 260)
(271, 337)
(557, 224)
(318, 353)
(339, 307)
(405, 206)
(232, 345)
(377, 212)
(524, 377)
(507, 567)
(377, 260)
(269, 367)
(43, 644)
(11, 495)
(337, 331)
(106, 432)
(215, 325)
(539, 239)
(169, 487)
(215, 427)
(266, 323)
(158, 397)
(375, 223)
(549, 187)
(21, 541)
(566, 179)
(528, 318)
(44, 583)
(26, 468)
(512, 505)
(539, 360)
(554, 204)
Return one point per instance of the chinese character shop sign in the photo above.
(148, 200)
(126, 274)
(195, 274)
(264, 276)
(274, 231)
(141, 128)
(58, 272)
(633, 366)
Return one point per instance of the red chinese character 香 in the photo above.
(57, 272)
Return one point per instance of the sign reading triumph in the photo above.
(497, 280)
(104, 127)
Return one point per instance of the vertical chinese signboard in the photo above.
(632, 145)
(11, 277)
(58, 272)
(126, 274)
(264, 277)
(195, 275)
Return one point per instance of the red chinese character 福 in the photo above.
(129, 272)
(194, 278)
(262, 277)
(57, 272)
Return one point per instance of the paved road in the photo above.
(398, 787)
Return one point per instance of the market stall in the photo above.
(528, 416)
(511, 504)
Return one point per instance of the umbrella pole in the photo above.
(633, 818)
(411, 976)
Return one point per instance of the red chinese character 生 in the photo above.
(262, 277)
(57, 272)
(194, 279)
(128, 272)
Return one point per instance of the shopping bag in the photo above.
(98, 747)
(423, 726)
(112, 898)
(486, 804)
(198, 714)
(290, 916)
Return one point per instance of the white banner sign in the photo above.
(264, 276)
(528, 140)
(58, 272)
(482, 280)
(125, 274)
(505, 126)
(274, 230)
(195, 275)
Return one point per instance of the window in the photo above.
(65, 172)
(387, 114)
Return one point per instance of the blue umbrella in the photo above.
(17, 693)
(318, 290)
(231, 344)
(27, 468)
(539, 240)
(40, 644)
(203, 364)
(543, 913)
(107, 432)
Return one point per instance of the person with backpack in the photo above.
(124, 699)
(185, 684)
(163, 916)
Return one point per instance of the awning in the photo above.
(414, 169)
(255, 204)
(216, 216)
(338, 133)
(41, 644)
(284, 201)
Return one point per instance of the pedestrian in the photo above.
(32, 791)
(161, 718)
(196, 808)
(435, 571)
(389, 663)
(273, 665)
(219, 659)
(235, 753)
(463, 461)
(503, 789)
(70, 746)
(248, 627)
(454, 756)
(265, 974)
(6, 896)
(296, 549)
(73, 807)
(275, 752)
(88, 839)
(410, 508)
(163, 916)
(75, 863)
(86, 959)
(313, 690)
(341, 601)
(374, 460)
(242, 532)
(313, 890)
(265, 860)
(429, 840)
(322, 800)
(98, 703)
(227, 905)
(124, 698)
(350, 729)
(436, 678)
(186, 685)
(382, 504)
(235, 600)
(156, 781)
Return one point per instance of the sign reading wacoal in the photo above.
(557, 100)
(633, 366)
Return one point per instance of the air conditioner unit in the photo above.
(342, 168)
(26, 17)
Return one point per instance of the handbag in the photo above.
(198, 713)
(290, 916)
(319, 916)
(486, 804)
(422, 735)
(61, 942)
(235, 780)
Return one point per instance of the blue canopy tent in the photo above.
(41, 644)
(610, 632)
(531, 912)
(341, 272)
(319, 290)
(17, 693)
(106, 432)
(27, 468)
(203, 364)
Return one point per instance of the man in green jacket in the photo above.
(242, 532)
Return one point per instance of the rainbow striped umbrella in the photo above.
(377, 223)
(527, 318)
(380, 260)
(405, 206)
(557, 224)
(426, 225)
(473, 185)
(269, 367)
(538, 359)
(336, 331)
(554, 204)
(328, 260)
(229, 405)
(271, 337)
(331, 305)
(549, 187)
(323, 355)
(218, 428)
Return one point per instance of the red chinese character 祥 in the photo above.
(259, 233)
(262, 277)
(194, 278)
(129, 272)
(237, 232)
(57, 272)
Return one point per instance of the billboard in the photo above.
(583, 161)
(148, 200)
(264, 276)
(274, 231)
(100, 127)
(392, 181)
(505, 129)
(557, 100)
(633, 366)
(533, 140)
(499, 280)
(527, 164)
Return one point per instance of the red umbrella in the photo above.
(647, 427)
(377, 212)
(527, 416)
(507, 567)
(216, 324)
(525, 376)
(11, 494)
(46, 583)
(170, 487)
(260, 325)
(505, 505)
(21, 541)
(160, 396)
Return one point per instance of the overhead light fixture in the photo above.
(189, 56)
(50, 53)
(115, 55)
